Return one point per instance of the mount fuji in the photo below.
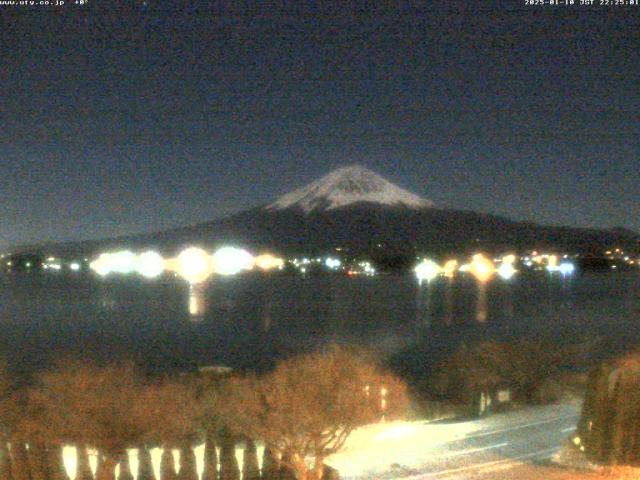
(348, 186)
(361, 213)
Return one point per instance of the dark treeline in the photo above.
(455, 367)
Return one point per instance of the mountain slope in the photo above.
(347, 186)
(359, 211)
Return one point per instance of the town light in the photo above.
(118, 262)
(566, 268)
(332, 263)
(509, 259)
(122, 261)
(450, 268)
(230, 260)
(506, 271)
(427, 270)
(150, 264)
(194, 265)
(482, 268)
(101, 265)
(267, 261)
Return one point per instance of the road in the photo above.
(487, 447)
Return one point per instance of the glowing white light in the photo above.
(70, 461)
(427, 270)
(150, 264)
(119, 262)
(506, 271)
(101, 265)
(229, 261)
(122, 261)
(75, 266)
(332, 262)
(194, 265)
(566, 268)
(93, 460)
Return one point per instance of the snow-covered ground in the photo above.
(384, 447)
(421, 450)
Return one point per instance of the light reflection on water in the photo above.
(197, 300)
(246, 319)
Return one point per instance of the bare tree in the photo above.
(5, 462)
(92, 405)
(309, 405)
(229, 469)
(20, 468)
(250, 465)
(270, 465)
(167, 465)
(55, 465)
(187, 463)
(83, 468)
(609, 427)
(14, 462)
(37, 460)
(145, 468)
(174, 405)
(210, 459)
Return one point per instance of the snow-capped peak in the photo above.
(346, 186)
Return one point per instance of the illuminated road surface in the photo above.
(488, 447)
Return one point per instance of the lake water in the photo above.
(251, 320)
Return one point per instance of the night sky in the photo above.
(138, 118)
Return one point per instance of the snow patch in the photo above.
(346, 186)
(395, 449)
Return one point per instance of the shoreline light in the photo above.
(427, 270)
(566, 268)
(332, 263)
(449, 268)
(194, 265)
(123, 261)
(231, 260)
(482, 268)
(116, 262)
(267, 261)
(150, 264)
(506, 271)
